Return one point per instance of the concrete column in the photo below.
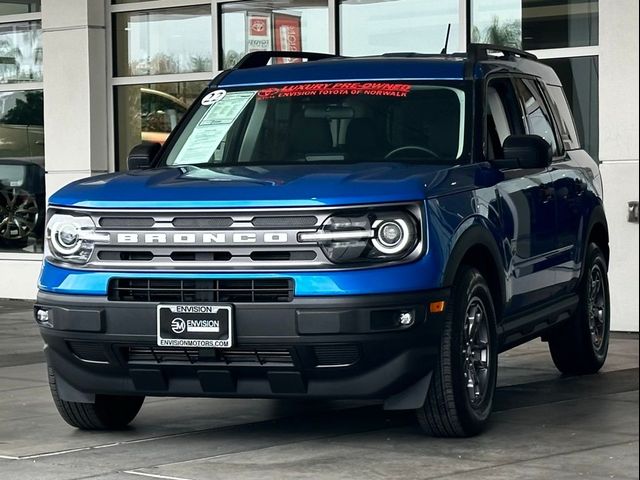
(75, 76)
(618, 67)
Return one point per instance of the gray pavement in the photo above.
(545, 426)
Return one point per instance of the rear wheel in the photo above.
(580, 345)
(460, 397)
(108, 412)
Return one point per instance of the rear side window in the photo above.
(536, 117)
(565, 122)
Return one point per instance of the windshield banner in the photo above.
(340, 88)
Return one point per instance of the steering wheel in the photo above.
(411, 147)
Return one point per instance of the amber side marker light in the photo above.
(437, 307)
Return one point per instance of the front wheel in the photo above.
(460, 397)
(580, 345)
(108, 412)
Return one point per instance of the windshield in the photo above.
(325, 122)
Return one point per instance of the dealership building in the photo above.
(83, 81)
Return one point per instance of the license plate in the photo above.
(187, 325)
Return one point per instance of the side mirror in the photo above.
(142, 155)
(525, 151)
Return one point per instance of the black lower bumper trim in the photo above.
(345, 350)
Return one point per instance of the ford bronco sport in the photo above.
(355, 228)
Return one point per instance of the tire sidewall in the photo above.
(594, 257)
(471, 284)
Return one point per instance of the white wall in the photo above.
(18, 277)
(618, 68)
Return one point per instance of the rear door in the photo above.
(573, 172)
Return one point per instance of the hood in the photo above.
(255, 186)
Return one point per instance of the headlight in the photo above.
(366, 236)
(72, 238)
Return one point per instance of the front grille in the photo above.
(198, 222)
(201, 290)
(216, 240)
(285, 221)
(336, 355)
(238, 357)
(126, 222)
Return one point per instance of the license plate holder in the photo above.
(195, 325)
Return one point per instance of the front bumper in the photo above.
(320, 347)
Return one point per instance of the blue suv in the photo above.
(356, 228)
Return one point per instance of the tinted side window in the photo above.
(536, 116)
(504, 116)
(564, 119)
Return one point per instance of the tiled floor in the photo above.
(545, 427)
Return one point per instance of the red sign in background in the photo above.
(287, 33)
(258, 26)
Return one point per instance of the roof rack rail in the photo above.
(479, 51)
(261, 59)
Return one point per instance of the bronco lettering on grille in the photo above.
(201, 238)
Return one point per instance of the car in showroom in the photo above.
(22, 191)
(339, 228)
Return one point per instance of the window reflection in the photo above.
(498, 22)
(16, 7)
(20, 52)
(558, 24)
(149, 112)
(379, 26)
(288, 25)
(535, 24)
(152, 42)
(22, 188)
(579, 77)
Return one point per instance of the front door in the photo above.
(527, 203)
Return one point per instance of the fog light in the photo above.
(42, 316)
(406, 318)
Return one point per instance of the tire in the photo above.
(452, 408)
(109, 412)
(580, 345)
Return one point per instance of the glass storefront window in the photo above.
(20, 52)
(16, 7)
(579, 77)
(557, 24)
(498, 22)
(289, 25)
(149, 112)
(379, 26)
(535, 24)
(153, 42)
(22, 187)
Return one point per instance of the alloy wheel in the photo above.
(476, 351)
(596, 306)
(18, 214)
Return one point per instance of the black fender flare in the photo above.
(597, 218)
(476, 235)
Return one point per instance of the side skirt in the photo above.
(516, 330)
